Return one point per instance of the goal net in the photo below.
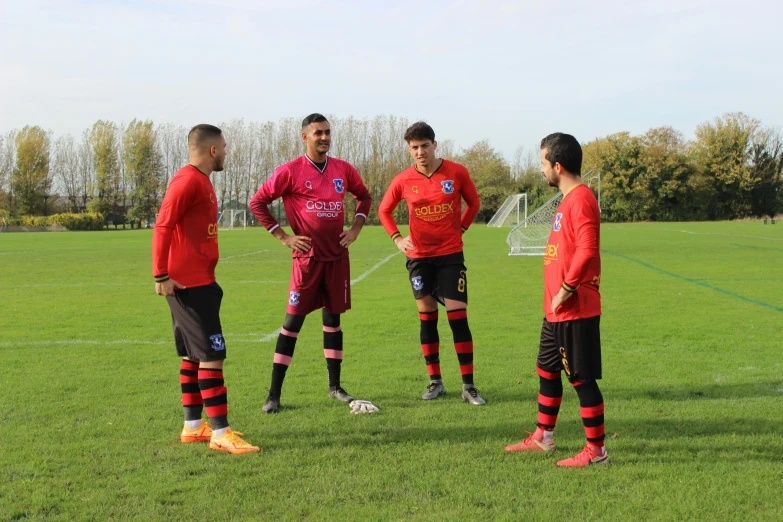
(511, 213)
(232, 220)
(529, 238)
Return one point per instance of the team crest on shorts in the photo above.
(338, 185)
(417, 284)
(556, 226)
(293, 298)
(448, 186)
(218, 343)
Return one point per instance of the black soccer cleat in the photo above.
(339, 394)
(272, 404)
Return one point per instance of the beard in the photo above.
(219, 165)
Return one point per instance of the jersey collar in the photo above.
(316, 166)
(442, 161)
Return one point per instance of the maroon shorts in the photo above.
(319, 284)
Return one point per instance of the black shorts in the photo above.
(195, 316)
(439, 276)
(573, 346)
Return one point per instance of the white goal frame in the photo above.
(530, 237)
(233, 220)
(510, 209)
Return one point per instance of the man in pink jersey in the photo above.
(313, 189)
(570, 337)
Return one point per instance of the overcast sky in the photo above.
(509, 72)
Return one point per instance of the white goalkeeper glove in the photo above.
(358, 407)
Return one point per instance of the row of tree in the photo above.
(732, 168)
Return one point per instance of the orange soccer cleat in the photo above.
(232, 443)
(201, 434)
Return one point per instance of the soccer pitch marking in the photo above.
(727, 235)
(244, 255)
(753, 247)
(696, 282)
(266, 338)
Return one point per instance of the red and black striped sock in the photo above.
(550, 395)
(430, 343)
(463, 343)
(214, 393)
(591, 407)
(333, 351)
(191, 394)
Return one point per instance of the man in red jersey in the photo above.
(313, 189)
(434, 189)
(570, 337)
(184, 255)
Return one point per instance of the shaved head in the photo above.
(203, 135)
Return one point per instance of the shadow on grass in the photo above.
(663, 440)
(697, 392)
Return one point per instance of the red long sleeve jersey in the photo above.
(573, 256)
(434, 207)
(184, 241)
(313, 203)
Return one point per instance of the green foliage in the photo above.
(732, 170)
(490, 173)
(83, 221)
(722, 151)
(144, 168)
(105, 153)
(30, 180)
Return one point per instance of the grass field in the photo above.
(90, 408)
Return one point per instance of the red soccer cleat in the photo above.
(532, 443)
(588, 456)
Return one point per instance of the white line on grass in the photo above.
(244, 255)
(727, 235)
(265, 339)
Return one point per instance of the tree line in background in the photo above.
(732, 169)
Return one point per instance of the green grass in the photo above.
(90, 411)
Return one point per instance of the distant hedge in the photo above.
(84, 221)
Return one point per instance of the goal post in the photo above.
(231, 219)
(530, 237)
(511, 213)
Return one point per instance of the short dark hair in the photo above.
(313, 118)
(420, 131)
(202, 133)
(564, 149)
